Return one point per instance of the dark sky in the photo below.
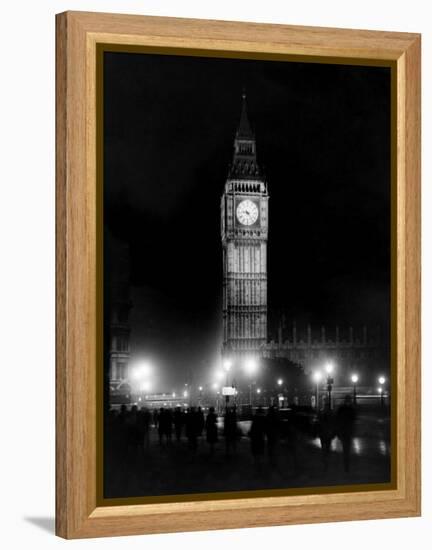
(323, 141)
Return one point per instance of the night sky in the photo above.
(323, 142)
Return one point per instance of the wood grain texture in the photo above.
(78, 33)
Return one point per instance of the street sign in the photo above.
(228, 390)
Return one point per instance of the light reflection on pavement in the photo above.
(360, 446)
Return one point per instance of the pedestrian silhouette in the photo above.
(257, 436)
(192, 428)
(230, 431)
(132, 431)
(156, 418)
(200, 422)
(178, 423)
(326, 433)
(143, 422)
(211, 429)
(272, 431)
(345, 421)
(164, 426)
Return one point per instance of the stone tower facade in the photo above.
(119, 303)
(244, 233)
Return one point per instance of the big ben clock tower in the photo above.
(244, 232)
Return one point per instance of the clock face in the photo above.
(247, 212)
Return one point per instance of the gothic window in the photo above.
(121, 370)
(122, 343)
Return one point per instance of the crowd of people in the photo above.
(129, 430)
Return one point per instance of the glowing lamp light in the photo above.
(227, 364)
(141, 370)
(145, 386)
(354, 378)
(135, 374)
(251, 365)
(258, 390)
(381, 379)
(280, 382)
(329, 368)
(317, 376)
(185, 393)
(380, 390)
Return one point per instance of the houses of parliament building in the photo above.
(244, 235)
(245, 230)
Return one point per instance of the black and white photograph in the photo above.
(247, 276)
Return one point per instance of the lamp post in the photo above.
(259, 395)
(330, 382)
(354, 380)
(227, 366)
(381, 381)
(380, 391)
(250, 367)
(317, 376)
(140, 375)
(215, 387)
(279, 383)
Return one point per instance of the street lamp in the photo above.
(145, 386)
(381, 394)
(141, 370)
(219, 375)
(139, 375)
(227, 366)
(354, 380)
(330, 381)
(381, 381)
(200, 390)
(317, 376)
(258, 391)
(250, 367)
(280, 396)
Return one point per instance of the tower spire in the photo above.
(244, 163)
(244, 129)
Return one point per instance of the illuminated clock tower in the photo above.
(244, 232)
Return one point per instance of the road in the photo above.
(174, 469)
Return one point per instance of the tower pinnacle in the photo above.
(244, 130)
(244, 163)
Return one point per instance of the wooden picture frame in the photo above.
(78, 513)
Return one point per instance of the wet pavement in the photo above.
(174, 469)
